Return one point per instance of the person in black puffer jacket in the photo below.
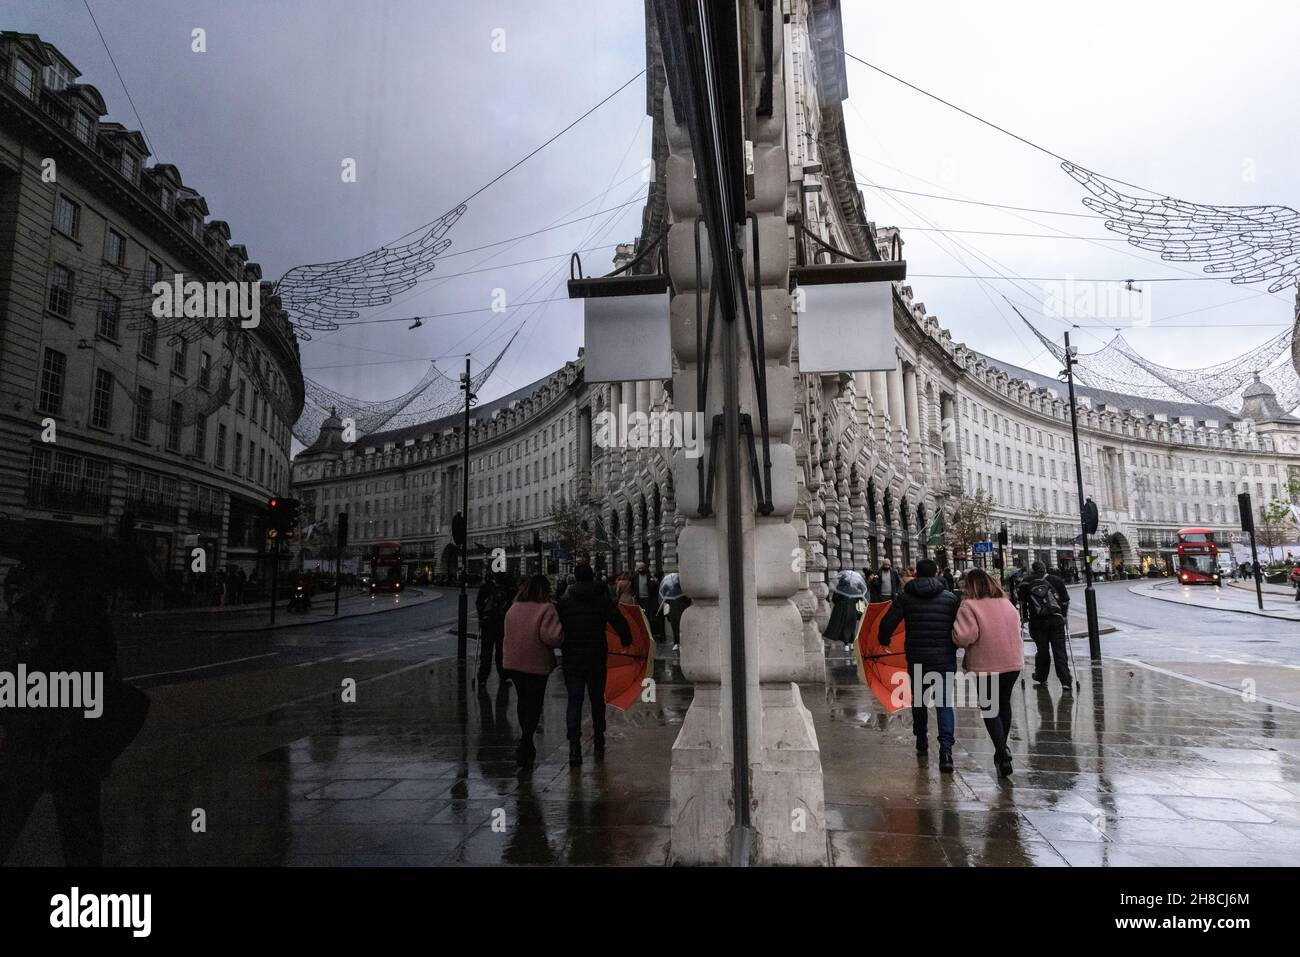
(929, 611)
(585, 610)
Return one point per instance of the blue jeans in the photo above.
(933, 686)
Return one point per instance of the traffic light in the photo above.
(1002, 537)
(282, 517)
(1089, 516)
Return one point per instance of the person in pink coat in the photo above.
(988, 627)
(532, 633)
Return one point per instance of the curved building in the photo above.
(111, 416)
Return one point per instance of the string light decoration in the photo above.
(319, 296)
(1118, 367)
(1246, 243)
(435, 395)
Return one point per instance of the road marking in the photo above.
(215, 664)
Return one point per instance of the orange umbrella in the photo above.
(883, 670)
(627, 667)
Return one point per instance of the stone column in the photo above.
(880, 407)
(913, 411)
(897, 417)
(949, 429)
(787, 807)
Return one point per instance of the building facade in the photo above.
(531, 454)
(111, 417)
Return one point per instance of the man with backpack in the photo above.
(1046, 603)
(492, 602)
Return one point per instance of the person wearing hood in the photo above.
(585, 610)
(849, 589)
(928, 610)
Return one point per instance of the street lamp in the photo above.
(1087, 512)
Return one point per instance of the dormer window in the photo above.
(166, 198)
(57, 77)
(84, 128)
(128, 166)
(24, 78)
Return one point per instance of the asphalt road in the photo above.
(1222, 648)
(172, 649)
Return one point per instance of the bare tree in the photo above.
(970, 520)
(572, 529)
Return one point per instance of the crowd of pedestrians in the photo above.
(982, 616)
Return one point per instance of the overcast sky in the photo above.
(1179, 96)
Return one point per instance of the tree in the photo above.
(1272, 529)
(970, 520)
(572, 529)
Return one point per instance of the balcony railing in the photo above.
(80, 499)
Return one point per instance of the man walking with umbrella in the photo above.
(928, 611)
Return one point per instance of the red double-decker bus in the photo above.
(1198, 557)
(385, 567)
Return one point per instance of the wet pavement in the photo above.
(1145, 764)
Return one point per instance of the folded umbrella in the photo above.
(626, 668)
(883, 670)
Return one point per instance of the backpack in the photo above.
(1043, 603)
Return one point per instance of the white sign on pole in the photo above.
(627, 338)
(847, 327)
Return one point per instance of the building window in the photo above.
(85, 127)
(56, 76)
(24, 78)
(221, 447)
(152, 273)
(110, 309)
(101, 404)
(240, 402)
(178, 357)
(62, 281)
(239, 452)
(67, 217)
(175, 419)
(115, 248)
(52, 372)
(149, 338)
(201, 437)
(252, 455)
(128, 165)
(205, 371)
(143, 410)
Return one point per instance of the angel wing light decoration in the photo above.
(321, 295)
(1246, 244)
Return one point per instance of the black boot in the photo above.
(945, 760)
(922, 745)
(575, 754)
(598, 745)
(1004, 764)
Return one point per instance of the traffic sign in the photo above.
(982, 548)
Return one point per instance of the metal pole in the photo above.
(1254, 568)
(1089, 593)
(275, 551)
(462, 603)
(338, 567)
